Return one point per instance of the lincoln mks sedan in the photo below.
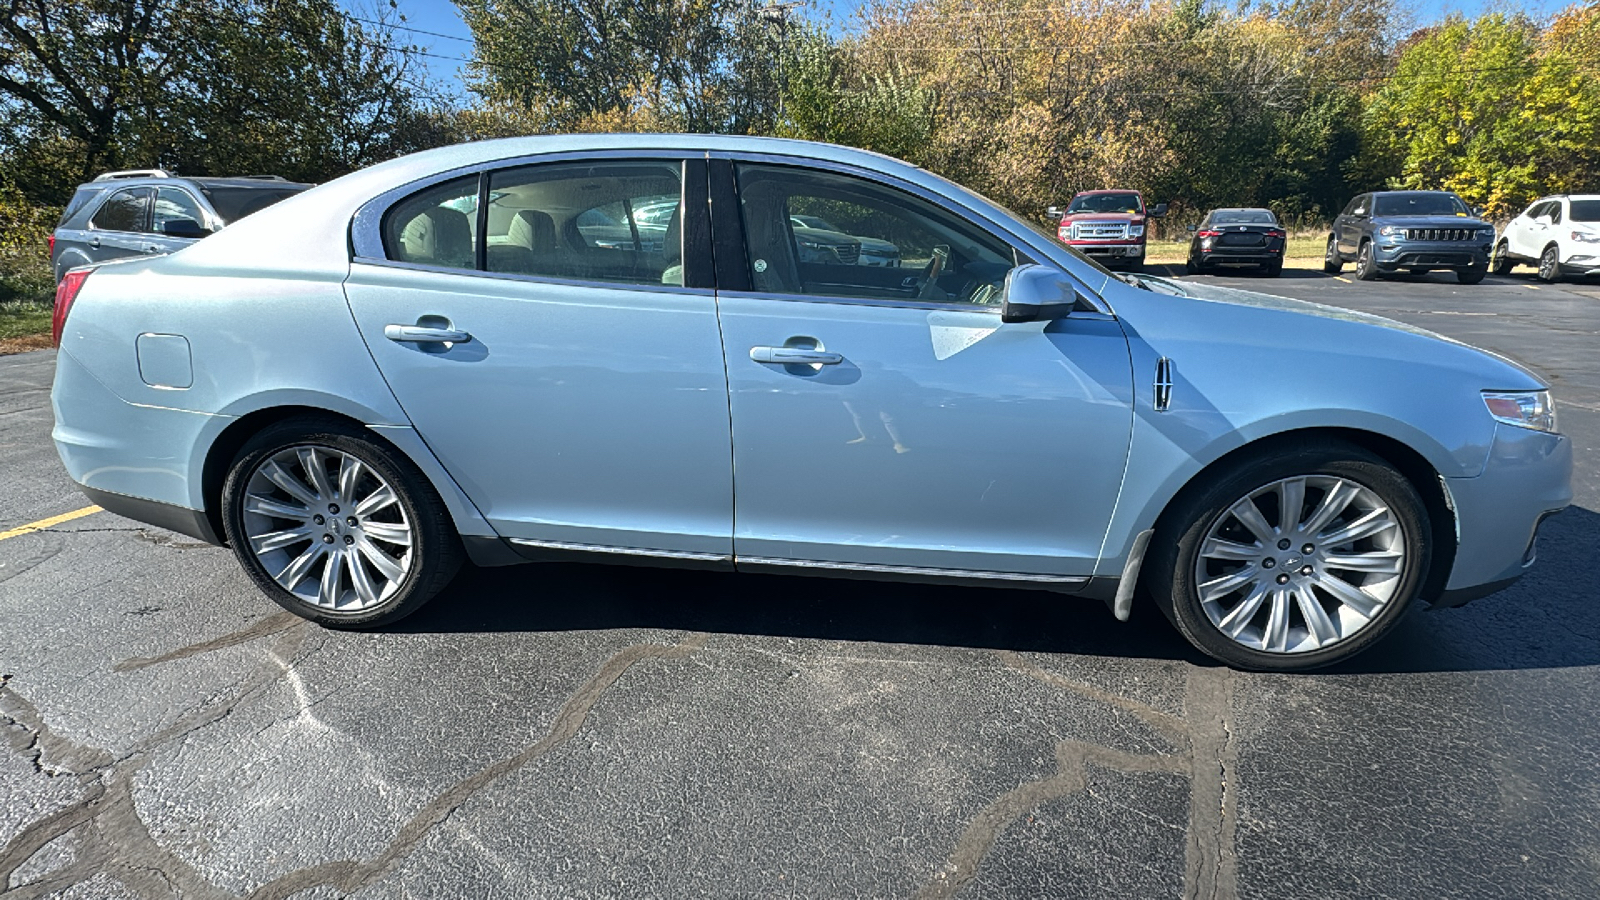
(441, 359)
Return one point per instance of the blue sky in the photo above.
(440, 16)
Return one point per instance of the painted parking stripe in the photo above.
(1341, 278)
(42, 524)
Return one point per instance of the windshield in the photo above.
(1586, 210)
(1430, 203)
(1243, 217)
(233, 204)
(1105, 203)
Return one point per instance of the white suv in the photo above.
(1560, 235)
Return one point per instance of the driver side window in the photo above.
(825, 234)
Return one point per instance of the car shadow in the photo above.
(1289, 272)
(1549, 619)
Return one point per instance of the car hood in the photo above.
(1491, 363)
(1103, 217)
(1430, 222)
(822, 236)
(877, 247)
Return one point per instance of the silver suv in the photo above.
(147, 211)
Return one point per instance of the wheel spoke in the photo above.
(1291, 502)
(1365, 526)
(1333, 503)
(1238, 617)
(1219, 548)
(1249, 515)
(290, 485)
(349, 474)
(1348, 594)
(316, 474)
(277, 540)
(1276, 637)
(388, 532)
(1384, 562)
(381, 561)
(328, 594)
(382, 498)
(360, 580)
(1217, 588)
(296, 571)
(1322, 627)
(277, 509)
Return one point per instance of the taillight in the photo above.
(1276, 233)
(1211, 234)
(51, 241)
(66, 292)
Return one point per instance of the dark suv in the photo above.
(1417, 231)
(147, 211)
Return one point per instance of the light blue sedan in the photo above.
(429, 361)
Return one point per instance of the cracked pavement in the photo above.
(580, 731)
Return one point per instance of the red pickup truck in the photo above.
(1107, 225)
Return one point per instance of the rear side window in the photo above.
(172, 203)
(233, 204)
(435, 227)
(80, 199)
(123, 211)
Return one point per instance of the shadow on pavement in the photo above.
(1549, 619)
(1291, 271)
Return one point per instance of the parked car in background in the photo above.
(357, 389)
(1237, 236)
(817, 237)
(140, 212)
(1558, 234)
(1109, 226)
(1412, 231)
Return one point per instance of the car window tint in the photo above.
(1555, 213)
(1585, 210)
(173, 203)
(123, 211)
(1245, 217)
(1420, 204)
(884, 244)
(234, 203)
(435, 227)
(613, 221)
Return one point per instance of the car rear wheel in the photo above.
(1272, 269)
(1191, 267)
(1502, 263)
(1332, 262)
(1366, 266)
(1550, 264)
(1295, 559)
(335, 527)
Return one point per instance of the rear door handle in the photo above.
(422, 334)
(795, 356)
(94, 243)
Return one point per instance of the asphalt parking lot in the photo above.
(575, 731)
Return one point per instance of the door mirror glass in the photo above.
(1157, 211)
(1034, 293)
(184, 228)
(1193, 228)
(1054, 213)
(1360, 211)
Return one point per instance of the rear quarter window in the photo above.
(233, 204)
(78, 203)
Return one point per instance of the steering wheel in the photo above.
(941, 255)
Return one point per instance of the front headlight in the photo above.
(1586, 237)
(1524, 409)
(1486, 233)
(1135, 230)
(1389, 230)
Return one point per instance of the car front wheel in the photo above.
(1366, 266)
(1296, 559)
(335, 527)
(1550, 264)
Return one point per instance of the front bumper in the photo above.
(1391, 255)
(1109, 252)
(1528, 477)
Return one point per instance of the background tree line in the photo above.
(1293, 104)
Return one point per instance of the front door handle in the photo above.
(422, 334)
(94, 243)
(795, 356)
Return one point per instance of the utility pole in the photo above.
(775, 13)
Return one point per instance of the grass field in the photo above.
(24, 326)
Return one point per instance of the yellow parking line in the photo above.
(1531, 287)
(1341, 278)
(42, 524)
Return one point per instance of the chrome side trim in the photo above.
(910, 570)
(1122, 604)
(623, 551)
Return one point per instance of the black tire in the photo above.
(1550, 264)
(1272, 269)
(1332, 262)
(1366, 266)
(1190, 266)
(1502, 262)
(1471, 276)
(435, 554)
(1170, 569)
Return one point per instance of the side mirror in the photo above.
(1035, 293)
(1477, 211)
(1360, 211)
(184, 228)
(1157, 211)
(1193, 228)
(1055, 212)
(1542, 220)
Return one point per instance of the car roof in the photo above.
(1106, 191)
(1243, 209)
(203, 181)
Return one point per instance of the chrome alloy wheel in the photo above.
(1300, 564)
(327, 528)
(1549, 264)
